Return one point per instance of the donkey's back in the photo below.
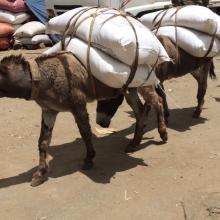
(182, 62)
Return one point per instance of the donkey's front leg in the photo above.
(82, 120)
(47, 124)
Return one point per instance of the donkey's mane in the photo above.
(16, 59)
(13, 58)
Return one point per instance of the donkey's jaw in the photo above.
(2, 93)
(23, 93)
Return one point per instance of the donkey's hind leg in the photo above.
(153, 99)
(201, 76)
(161, 92)
(47, 124)
(140, 115)
(82, 120)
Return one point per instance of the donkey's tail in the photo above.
(212, 71)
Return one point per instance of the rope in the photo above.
(77, 16)
(154, 66)
(35, 79)
(212, 40)
(123, 4)
(88, 53)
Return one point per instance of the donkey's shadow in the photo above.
(68, 159)
(180, 119)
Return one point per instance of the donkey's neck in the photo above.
(24, 87)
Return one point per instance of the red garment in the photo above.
(4, 43)
(13, 5)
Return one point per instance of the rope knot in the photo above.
(123, 13)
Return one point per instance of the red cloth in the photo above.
(13, 5)
(6, 29)
(4, 43)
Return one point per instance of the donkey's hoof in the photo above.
(38, 180)
(164, 137)
(87, 165)
(196, 113)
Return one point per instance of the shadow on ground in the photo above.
(68, 159)
(110, 158)
(180, 119)
(217, 99)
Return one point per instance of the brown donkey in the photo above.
(182, 64)
(61, 83)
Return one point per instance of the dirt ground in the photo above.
(179, 180)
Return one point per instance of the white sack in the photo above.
(13, 18)
(30, 29)
(105, 68)
(37, 39)
(16, 26)
(115, 37)
(193, 42)
(192, 16)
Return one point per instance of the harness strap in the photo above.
(88, 53)
(35, 79)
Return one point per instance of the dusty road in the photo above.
(179, 180)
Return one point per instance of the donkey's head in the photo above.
(15, 79)
(106, 109)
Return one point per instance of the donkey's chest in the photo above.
(50, 99)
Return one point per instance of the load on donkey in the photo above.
(62, 82)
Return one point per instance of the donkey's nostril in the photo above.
(103, 120)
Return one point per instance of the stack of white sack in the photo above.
(192, 28)
(32, 33)
(13, 18)
(12, 13)
(113, 45)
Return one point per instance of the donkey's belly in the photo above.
(56, 105)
